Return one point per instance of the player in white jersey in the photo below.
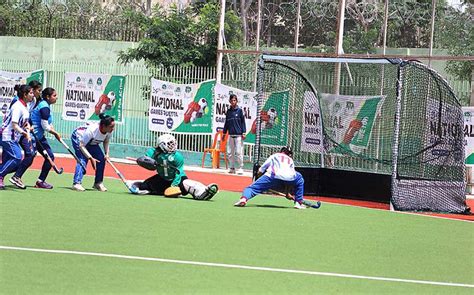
(14, 126)
(276, 172)
(85, 141)
(28, 147)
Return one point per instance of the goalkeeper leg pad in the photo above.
(198, 190)
(195, 188)
(172, 192)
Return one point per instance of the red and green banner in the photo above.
(185, 108)
(349, 121)
(247, 101)
(88, 95)
(8, 80)
(274, 118)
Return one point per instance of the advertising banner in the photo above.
(312, 130)
(274, 116)
(185, 108)
(88, 95)
(8, 80)
(349, 121)
(247, 101)
(469, 134)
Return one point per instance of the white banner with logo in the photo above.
(88, 95)
(246, 100)
(185, 108)
(8, 80)
(469, 134)
(312, 133)
(442, 133)
(349, 121)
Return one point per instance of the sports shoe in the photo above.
(78, 187)
(241, 203)
(43, 184)
(17, 182)
(210, 191)
(240, 171)
(299, 205)
(100, 187)
(142, 192)
(231, 171)
(2, 185)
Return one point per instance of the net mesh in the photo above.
(340, 115)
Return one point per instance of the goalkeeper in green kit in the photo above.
(170, 180)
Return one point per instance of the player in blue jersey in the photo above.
(28, 146)
(85, 141)
(42, 118)
(15, 126)
(278, 171)
(169, 166)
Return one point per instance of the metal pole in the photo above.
(297, 32)
(260, 98)
(257, 42)
(433, 15)
(385, 25)
(339, 49)
(220, 43)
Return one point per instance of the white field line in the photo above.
(236, 266)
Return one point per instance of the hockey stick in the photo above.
(292, 198)
(45, 155)
(133, 189)
(73, 154)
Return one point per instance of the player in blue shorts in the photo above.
(85, 141)
(28, 146)
(15, 125)
(278, 171)
(42, 118)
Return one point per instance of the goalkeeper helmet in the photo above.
(167, 143)
(287, 150)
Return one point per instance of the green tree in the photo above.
(186, 37)
(455, 32)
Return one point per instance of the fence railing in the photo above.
(134, 131)
(75, 28)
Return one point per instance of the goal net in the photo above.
(392, 117)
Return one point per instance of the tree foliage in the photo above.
(182, 37)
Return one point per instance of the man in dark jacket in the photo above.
(235, 125)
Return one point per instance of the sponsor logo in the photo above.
(312, 140)
(158, 121)
(169, 123)
(71, 114)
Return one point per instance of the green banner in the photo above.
(8, 80)
(274, 117)
(185, 108)
(349, 121)
(86, 96)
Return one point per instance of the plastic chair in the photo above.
(218, 148)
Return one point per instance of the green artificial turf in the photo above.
(266, 233)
